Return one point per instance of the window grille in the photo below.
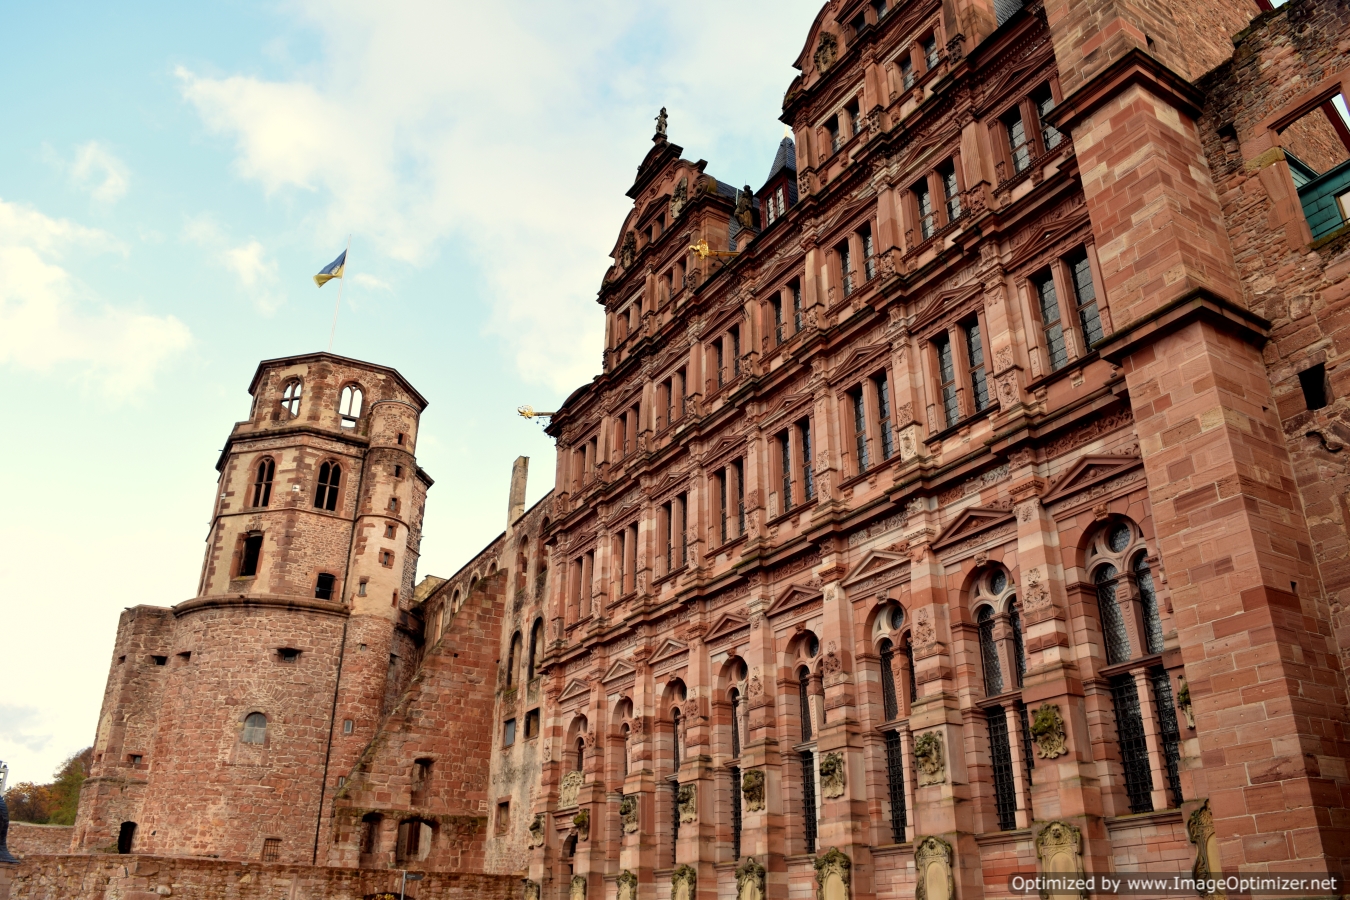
(1169, 732)
(1148, 598)
(1000, 755)
(736, 724)
(951, 411)
(1019, 648)
(674, 821)
(1027, 758)
(1133, 745)
(1113, 623)
(895, 785)
(884, 415)
(909, 664)
(1085, 296)
(271, 850)
(1055, 347)
(993, 673)
(979, 385)
(735, 813)
(809, 799)
(804, 694)
(860, 430)
(808, 478)
(889, 706)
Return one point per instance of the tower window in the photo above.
(323, 586)
(386, 558)
(509, 733)
(348, 726)
(255, 729)
(326, 494)
(1313, 380)
(290, 398)
(271, 850)
(248, 562)
(349, 406)
(262, 485)
(288, 654)
(159, 660)
(390, 531)
(361, 587)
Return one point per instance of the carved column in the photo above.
(696, 796)
(639, 847)
(763, 801)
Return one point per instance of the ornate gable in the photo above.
(945, 302)
(727, 624)
(875, 562)
(1089, 472)
(794, 596)
(619, 669)
(668, 649)
(859, 358)
(575, 688)
(972, 521)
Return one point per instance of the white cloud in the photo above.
(517, 144)
(50, 322)
(248, 261)
(371, 282)
(99, 172)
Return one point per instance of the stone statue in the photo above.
(628, 883)
(661, 122)
(834, 874)
(750, 880)
(1047, 729)
(1200, 830)
(833, 781)
(932, 762)
(628, 813)
(688, 799)
(578, 891)
(683, 883)
(537, 832)
(5, 855)
(582, 822)
(745, 213)
(752, 789)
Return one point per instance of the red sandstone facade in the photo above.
(972, 507)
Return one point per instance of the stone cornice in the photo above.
(1198, 305)
(1134, 68)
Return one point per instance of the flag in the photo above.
(332, 270)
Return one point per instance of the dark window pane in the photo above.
(1133, 745)
(1000, 755)
(895, 785)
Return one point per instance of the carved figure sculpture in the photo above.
(679, 197)
(688, 799)
(578, 889)
(628, 814)
(661, 122)
(628, 252)
(933, 860)
(1059, 847)
(834, 875)
(532, 890)
(627, 885)
(750, 880)
(833, 780)
(569, 787)
(752, 789)
(745, 213)
(537, 832)
(1184, 701)
(1200, 829)
(582, 822)
(929, 757)
(1047, 728)
(683, 883)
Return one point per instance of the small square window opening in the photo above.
(1316, 391)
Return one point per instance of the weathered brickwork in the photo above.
(966, 501)
(26, 839)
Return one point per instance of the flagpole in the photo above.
(338, 305)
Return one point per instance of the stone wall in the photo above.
(148, 877)
(27, 839)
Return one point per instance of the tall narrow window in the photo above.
(845, 267)
(536, 642)
(804, 696)
(674, 820)
(735, 722)
(895, 784)
(512, 658)
(1085, 298)
(721, 506)
(675, 736)
(993, 673)
(979, 385)
(1148, 599)
(785, 467)
(908, 649)
(248, 560)
(349, 406)
(809, 799)
(1000, 758)
(735, 334)
(889, 707)
(262, 485)
(859, 429)
(796, 307)
(906, 71)
(930, 51)
(1133, 744)
(951, 411)
(776, 305)
(869, 254)
(1113, 623)
(326, 494)
(738, 472)
(1019, 145)
(667, 525)
(255, 729)
(923, 197)
(323, 586)
(1019, 648)
(1055, 347)
(719, 354)
(836, 134)
(884, 416)
(1026, 740)
(808, 477)
(1169, 734)
(951, 193)
(1045, 101)
(735, 812)
(290, 398)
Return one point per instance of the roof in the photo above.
(785, 158)
(315, 357)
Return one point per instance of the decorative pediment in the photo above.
(972, 521)
(669, 648)
(1089, 472)
(575, 688)
(788, 404)
(858, 358)
(875, 562)
(656, 160)
(1048, 231)
(727, 444)
(724, 626)
(618, 669)
(944, 302)
(794, 596)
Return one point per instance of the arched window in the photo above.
(326, 494)
(1108, 607)
(993, 673)
(675, 736)
(889, 705)
(1148, 599)
(624, 732)
(1019, 648)
(262, 484)
(804, 696)
(290, 398)
(536, 638)
(511, 659)
(908, 649)
(349, 405)
(255, 729)
(735, 722)
(370, 833)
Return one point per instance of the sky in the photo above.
(172, 175)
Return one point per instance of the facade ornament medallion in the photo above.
(930, 758)
(684, 883)
(827, 50)
(756, 686)
(537, 832)
(628, 251)
(1047, 729)
(628, 813)
(578, 889)
(924, 633)
(1059, 848)
(582, 822)
(679, 197)
(750, 880)
(834, 875)
(1184, 702)
(688, 800)
(1200, 830)
(627, 883)
(933, 860)
(833, 780)
(569, 787)
(752, 789)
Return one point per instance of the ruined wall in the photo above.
(27, 839)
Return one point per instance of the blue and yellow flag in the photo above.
(332, 270)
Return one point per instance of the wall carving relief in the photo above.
(531, 890)
(752, 789)
(930, 758)
(1200, 830)
(834, 875)
(933, 860)
(750, 880)
(569, 787)
(582, 822)
(688, 799)
(684, 883)
(537, 832)
(1059, 848)
(578, 889)
(833, 780)
(628, 883)
(628, 813)
(1047, 729)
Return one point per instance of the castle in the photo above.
(966, 500)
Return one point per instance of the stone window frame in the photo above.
(1057, 265)
(260, 495)
(911, 51)
(911, 217)
(291, 399)
(352, 393)
(886, 627)
(996, 126)
(953, 330)
(241, 553)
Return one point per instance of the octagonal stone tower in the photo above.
(229, 721)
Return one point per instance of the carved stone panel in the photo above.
(582, 822)
(537, 832)
(578, 889)
(1047, 729)
(688, 799)
(684, 883)
(834, 875)
(569, 788)
(1200, 829)
(833, 780)
(531, 891)
(750, 880)
(628, 814)
(933, 860)
(628, 883)
(752, 789)
(930, 758)
(1059, 849)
